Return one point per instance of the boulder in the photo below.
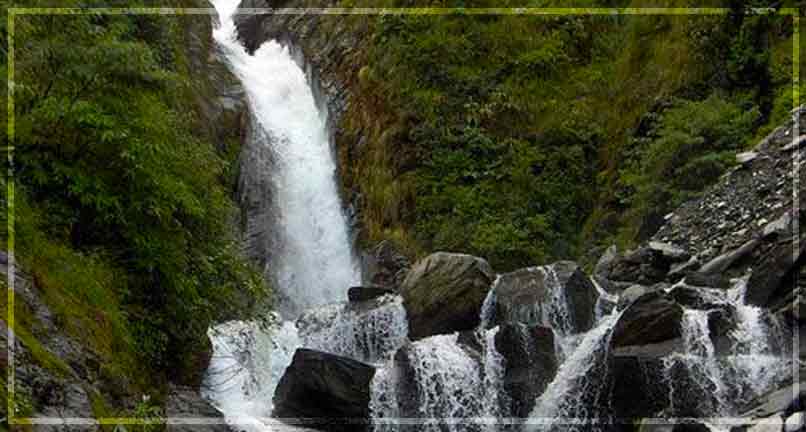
(773, 275)
(362, 294)
(605, 264)
(683, 269)
(325, 391)
(724, 261)
(654, 317)
(443, 293)
(185, 404)
(635, 390)
(699, 279)
(669, 252)
(640, 266)
(531, 363)
(529, 295)
(385, 266)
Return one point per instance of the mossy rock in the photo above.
(443, 293)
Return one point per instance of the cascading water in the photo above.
(312, 264)
(571, 399)
(457, 384)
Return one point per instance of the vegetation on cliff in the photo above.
(124, 216)
(529, 138)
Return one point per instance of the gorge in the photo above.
(548, 349)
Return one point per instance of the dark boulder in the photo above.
(325, 391)
(699, 279)
(635, 388)
(654, 317)
(362, 294)
(443, 293)
(774, 274)
(531, 364)
(640, 266)
(526, 295)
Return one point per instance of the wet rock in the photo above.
(531, 363)
(654, 317)
(787, 399)
(361, 294)
(527, 295)
(185, 404)
(324, 391)
(631, 294)
(635, 390)
(746, 157)
(443, 293)
(769, 424)
(694, 298)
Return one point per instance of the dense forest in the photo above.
(122, 194)
(524, 139)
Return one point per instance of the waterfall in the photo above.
(570, 401)
(312, 262)
(371, 336)
(726, 381)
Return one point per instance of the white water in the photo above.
(564, 405)
(372, 335)
(313, 264)
(731, 379)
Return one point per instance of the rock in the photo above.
(770, 424)
(528, 295)
(444, 292)
(694, 298)
(635, 390)
(605, 263)
(698, 279)
(795, 423)
(385, 266)
(724, 261)
(361, 294)
(773, 275)
(780, 226)
(681, 270)
(631, 294)
(327, 391)
(795, 310)
(786, 399)
(746, 157)
(185, 404)
(641, 266)
(531, 363)
(654, 317)
(669, 251)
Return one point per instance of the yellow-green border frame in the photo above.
(14, 12)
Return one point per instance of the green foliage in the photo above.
(125, 201)
(519, 130)
(691, 146)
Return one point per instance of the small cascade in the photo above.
(449, 385)
(247, 363)
(570, 401)
(383, 405)
(606, 301)
(487, 315)
(371, 335)
(726, 380)
(495, 397)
